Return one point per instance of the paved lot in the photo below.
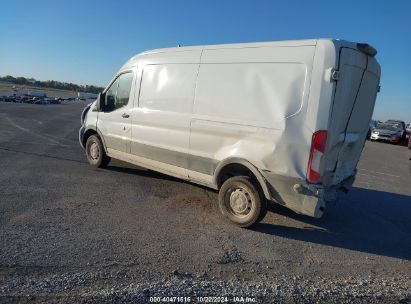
(72, 233)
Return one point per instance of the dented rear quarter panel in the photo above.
(261, 113)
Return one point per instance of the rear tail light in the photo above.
(316, 154)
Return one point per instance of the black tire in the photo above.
(96, 155)
(241, 201)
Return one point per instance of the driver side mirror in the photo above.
(100, 101)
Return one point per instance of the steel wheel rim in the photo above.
(240, 202)
(94, 151)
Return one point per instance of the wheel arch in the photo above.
(93, 131)
(237, 166)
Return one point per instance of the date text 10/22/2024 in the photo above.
(205, 299)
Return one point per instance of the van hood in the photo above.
(84, 113)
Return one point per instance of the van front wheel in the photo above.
(96, 155)
(241, 202)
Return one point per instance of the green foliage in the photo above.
(52, 84)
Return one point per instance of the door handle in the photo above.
(125, 115)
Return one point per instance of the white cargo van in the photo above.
(275, 121)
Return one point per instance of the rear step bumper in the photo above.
(302, 197)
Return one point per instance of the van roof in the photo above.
(284, 43)
(233, 45)
(330, 43)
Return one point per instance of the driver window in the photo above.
(110, 100)
(123, 89)
(118, 94)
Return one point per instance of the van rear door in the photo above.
(353, 105)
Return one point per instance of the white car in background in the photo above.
(388, 132)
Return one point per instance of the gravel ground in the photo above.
(71, 233)
(102, 286)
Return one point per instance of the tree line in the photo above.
(52, 84)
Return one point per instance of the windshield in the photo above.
(391, 127)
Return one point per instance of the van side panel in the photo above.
(254, 94)
(250, 103)
(162, 113)
(322, 87)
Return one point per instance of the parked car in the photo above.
(42, 101)
(408, 129)
(9, 99)
(401, 125)
(31, 100)
(17, 99)
(55, 101)
(371, 127)
(409, 142)
(239, 118)
(388, 132)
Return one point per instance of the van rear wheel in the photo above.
(242, 202)
(96, 155)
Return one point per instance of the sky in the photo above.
(86, 42)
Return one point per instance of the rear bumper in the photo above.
(301, 197)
